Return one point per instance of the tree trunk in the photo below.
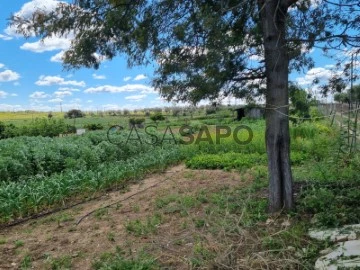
(273, 20)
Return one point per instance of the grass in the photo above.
(228, 228)
(118, 260)
(18, 243)
(26, 263)
(111, 236)
(60, 263)
(144, 228)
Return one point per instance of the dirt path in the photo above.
(57, 237)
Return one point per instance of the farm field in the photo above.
(200, 205)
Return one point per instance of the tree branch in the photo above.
(250, 77)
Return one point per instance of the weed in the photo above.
(18, 243)
(100, 213)
(117, 260)
(143, 228)
(111, 236)
(26, 262)
(60, 263)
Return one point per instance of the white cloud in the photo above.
(55, 100)
(304, 49)
(140, 77)
(107, 107)
(89, 101)
(10, 107)
(13, 95)
(127, 79)
(57, 58)
(319, 73)
(70, 106)
(69, 89)
(29, 8)
(38, 94)
(62, 94)
(136, 97)
(8, 76)
(99, 77)
(257, 58)
(40, 107)
(2, 65)
(119, 89)
(3, 94)
(57, 80)
(48, 44)
(5, 37)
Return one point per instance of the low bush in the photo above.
(94, 126)
(74, 114)
(157, 117)
(136, 121)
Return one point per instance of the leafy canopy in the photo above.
(202, 49)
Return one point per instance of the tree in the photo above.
(72, 114)
(300, 101)
(341, 98)
(351, 95)
(157, 117)
(203, 48)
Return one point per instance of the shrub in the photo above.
(176, 111)
(94, 126)
(74, 114)
(209, 111)
(2, 129)
(136, 121)
(157, 117)
(70, 129)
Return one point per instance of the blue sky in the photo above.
(32, 76)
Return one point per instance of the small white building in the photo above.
(80, 131)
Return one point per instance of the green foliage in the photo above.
(2, 129)
(353, 94)
(341, 97)
(136, 121)
(157, 117)
(117, 261)
(300, 102)
(225, 161)
(315, 113)
(143, 228)
(210, 110)
(39, 127)
(26, 262)
(38, 172)
(61, 263)
(176, 111)
(332, 205)
(94, 126)
(74, 114)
